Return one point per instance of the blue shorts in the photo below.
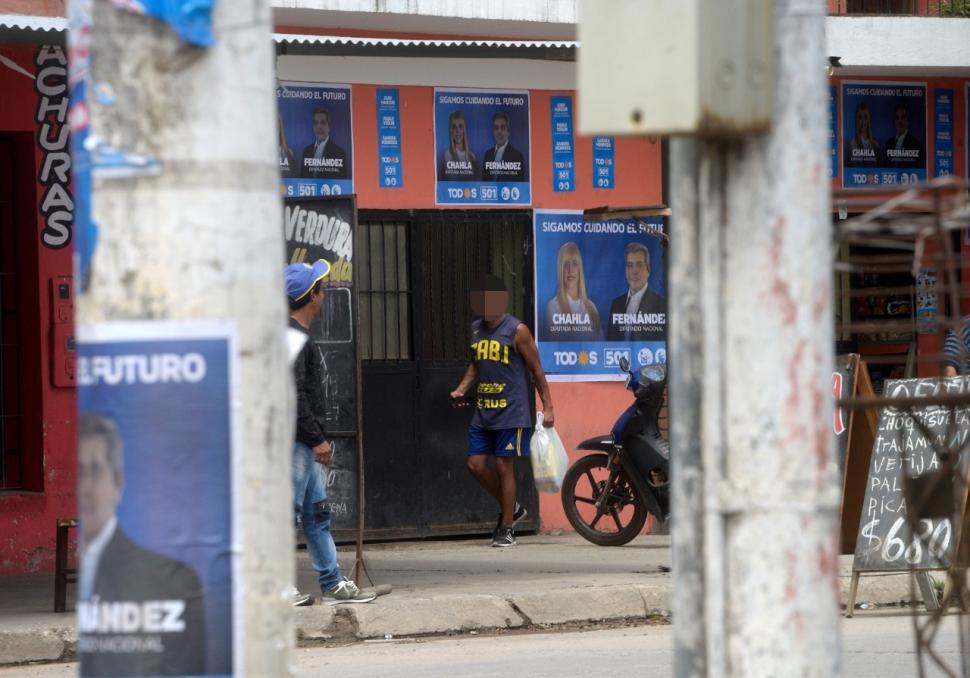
(505, 442)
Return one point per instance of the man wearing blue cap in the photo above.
(304, 288)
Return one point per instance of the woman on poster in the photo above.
(458, 162)
(571, 315)
(863, 150)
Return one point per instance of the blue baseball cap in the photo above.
(300, 278)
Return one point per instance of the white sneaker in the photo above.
(300, 599)
(347, 592)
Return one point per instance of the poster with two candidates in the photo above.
(884, 132)
(482, 147)
(600, 294)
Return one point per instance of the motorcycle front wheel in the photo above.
(621, 515)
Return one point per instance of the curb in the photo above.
(38, 645)
(403, 616)
(457, 614)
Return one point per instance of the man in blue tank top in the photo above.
(502, 354)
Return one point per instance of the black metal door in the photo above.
(414, 331)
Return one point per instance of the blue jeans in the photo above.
(310, 503)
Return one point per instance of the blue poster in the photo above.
(155, 492)
(943, 132)
(600, 295)
(482, 147)
(389, 138)
(603, 162)
(833, 135)
(316, 139)
(563, 149)
(884, 132)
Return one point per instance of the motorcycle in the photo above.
(607, 494)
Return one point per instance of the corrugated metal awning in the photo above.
(32, 28)
(309, 39)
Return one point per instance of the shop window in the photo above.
(384, 288)
(11, 426)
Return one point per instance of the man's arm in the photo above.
(526, 347)
(471, 374)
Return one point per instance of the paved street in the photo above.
(876, 645)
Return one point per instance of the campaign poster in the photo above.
(563, 144)
(833, 134)
(884, 133)
(389, 138)
(158, 580)
(316, 141)
(600, 295)
(482, 147)
(943, 132)
(603, 161)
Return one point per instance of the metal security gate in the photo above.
(414, 270)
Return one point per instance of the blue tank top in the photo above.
(502, 400)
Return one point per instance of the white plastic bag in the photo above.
(549, 458)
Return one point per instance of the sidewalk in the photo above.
(441, 587)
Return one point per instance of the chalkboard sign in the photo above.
(324, 228)
(903, 446)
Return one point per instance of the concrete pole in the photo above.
(203, 240)
(756, 491)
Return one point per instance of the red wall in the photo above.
(27, 518)
(637, 168)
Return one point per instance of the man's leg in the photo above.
(315, 514)
(485, 475)
(481, 445)
(506, 477)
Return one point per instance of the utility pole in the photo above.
(201, 239)
(755, 494)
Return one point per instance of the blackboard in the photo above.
(324, 228)
(901, 446)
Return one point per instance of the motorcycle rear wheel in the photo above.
(622, 516)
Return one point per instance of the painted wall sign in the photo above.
(157, 473)
(316, 151)
(600, 295)
(482, 147)
(563, 144)
(884, 133)
(603, 162)
(389, 139)
(53, 138)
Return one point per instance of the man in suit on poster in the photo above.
(323, 159)
(903, 149)
(639, 314)
(503, 161)
(140, 613)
